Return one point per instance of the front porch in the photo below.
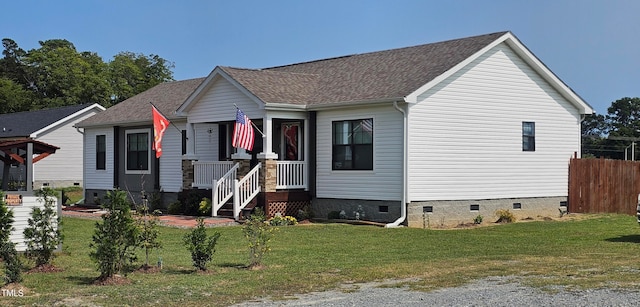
(233, 184)
(289, 174)
(275, 174)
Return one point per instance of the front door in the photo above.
(290, 142)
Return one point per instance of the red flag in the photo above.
(242, 132)
(160, 124)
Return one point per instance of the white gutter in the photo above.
(403, 204)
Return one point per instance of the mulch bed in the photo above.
(114, 280)
(45, 268)
(148, 269)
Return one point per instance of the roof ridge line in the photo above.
(383, 51)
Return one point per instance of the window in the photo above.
(184, 142)
(101, 152)
(528, 136)
(138, 153)
(352, 145)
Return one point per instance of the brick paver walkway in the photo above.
(179, 221)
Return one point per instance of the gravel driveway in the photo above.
(494, 291)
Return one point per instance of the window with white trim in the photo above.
(528, 136)
(101, 152)
(352, 144)
(138, 154)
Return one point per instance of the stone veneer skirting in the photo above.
(448, 213)
(373, 209)
(442, 213)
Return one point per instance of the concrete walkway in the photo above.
(178, 221)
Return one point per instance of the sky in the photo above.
(592, 45)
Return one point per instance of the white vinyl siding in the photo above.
(217, 104)
(465, 134)
(206, 142)
(384, 182)
(98, 179)
(65, 164)
(171, 159)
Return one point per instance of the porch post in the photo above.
(29, 167)
(191, 141)
(267, 140)
(268, 159)
(244, 159)
(305, 177)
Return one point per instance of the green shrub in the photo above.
(205, 207)
(12, 263)
(200, 246)
(147, 230)
(116, 237)
(333, 215)
(175, 208)
(505, 216)
(305, 213)
(477, 220)
(192, 203)
(43, 233)
(280, 220)
(259, 233)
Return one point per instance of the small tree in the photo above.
(200, 246)
(259, 233)
(43, 233)
(12, 263)
(116, 237)
(147, 231)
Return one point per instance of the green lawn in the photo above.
(595, 252)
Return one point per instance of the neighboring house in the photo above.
(47, 128)
(425, 135)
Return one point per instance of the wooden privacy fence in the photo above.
(603, 186)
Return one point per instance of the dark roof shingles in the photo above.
(23, 124)
(388, 74)
(167, 97)
(378, 75)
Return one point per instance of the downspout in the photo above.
(403, 205)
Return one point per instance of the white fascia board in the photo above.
(183, 110)
(37, 133)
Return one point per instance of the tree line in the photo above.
(57, 74)
(615, 135)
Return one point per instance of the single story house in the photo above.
(423, 136)
(48, 127)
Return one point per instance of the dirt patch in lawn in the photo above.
(114, 280)
(45, 268)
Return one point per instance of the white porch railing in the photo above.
(204, 171)
(223, 189)
(245, 190)
(291, 175)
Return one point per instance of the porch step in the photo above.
(227, 210)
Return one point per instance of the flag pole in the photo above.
(252, 123)
(172, 124)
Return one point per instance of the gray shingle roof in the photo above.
(23, 124)
(378, 75)
(389, 74)
(167, 97)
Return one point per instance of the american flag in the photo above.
(242, 132)
(367, 125)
